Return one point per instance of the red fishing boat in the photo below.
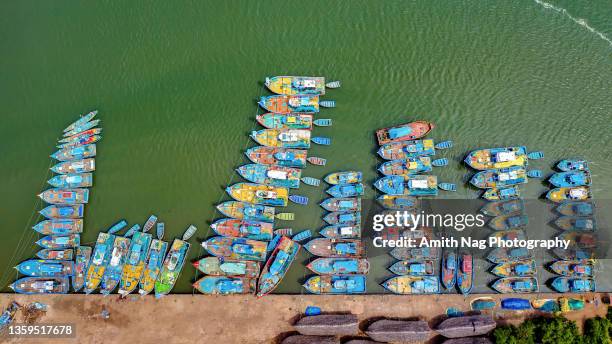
(409, 131)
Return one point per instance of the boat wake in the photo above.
(579, 21)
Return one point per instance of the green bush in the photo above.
(597, 331)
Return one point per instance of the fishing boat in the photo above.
(494, 158)
(59, 241)
(413, 285)
(59, 226)
(397, 202)
(580, 239)
(222, 285)
(75, 153)
(311, 181)
(272, 175)
(512, 234)
(149, 224)
(282, 138)
(81, 135)
(159, 230)
(83, 254)
(114, 268)
(67, 211)
(236, 248)
(503, 208)
(335, 248)
(65, 196)
(343, 218)
(336, 284)
(570, 178)
(573, 268)
(507, 222)
(346, 190)
(135, 263)
(413, 185)
(216, 266)
(502, 194)
(576, 209)
(573, 285)
(277, 156)
(483, 304)
(46, 268)
(80, 141)
(277, 266)
(447, 187)
(404, 167)
(344, 177)
(68, 181)
(117, 227)
(546, 305)
(339, 266)
(341, 232)
(66, 254)
(465, 272)
(8, 315)
(420, 267)
(299, 199)
(82, 127)
(341, 204)
(130, 232)
(99, 260)
(285, 217)
(407, 149)
(237, 228)
(75, 166)
(153, 265)
(504, 254)
(82, 120)
(301, 103)
(315, 160)
(520, 268)
(404, 132)
(171, 269)
(246, 211)
(412, 253)
(573, 165)
(500, 178)
(285, 121)
(41, 285)
(575, 253)
(569, 223)
(322, 122)
(259, 194)
(534, 174)
(292, 85)
(303, 235)
(560, 195)
(508, 285)
(448, 269)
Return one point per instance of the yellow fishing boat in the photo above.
(99, 260)
(291, 85)
(485, 159)
(559, 195)
(283, 138)
(134, 266)
(259, 194)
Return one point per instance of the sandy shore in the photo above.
(233, 319)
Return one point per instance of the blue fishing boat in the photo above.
(500, 178)
(344, 177)
(341, 204)
(322, 122)
(440, 162)
(81, 140)
(413, 185)
(576, 209)
(346, 190)
(515, 304)
(342, 217)
(311, 181)
(569, 223)
(277, 156)
(571, 178)
(301, 236)
(65, 254)
(41, 285)
(66, 211)
(76, 166)
(216, 266)
(135, 262)
(277, 266)
(271, 175)
(516, 285)
(130, 232)
(82, 120)
(69, 181)
(339, 266)
(483, 304)
(222, 285)
(59, 241)
(59, 226)
(336, 284)
(82, 127)
(448, 269)
(153, 265)
(573, 268)
(75, 153)
(335, 248)
(159, 230)
(406, 149)
(117, 227)
(46, 268)
(537, 155)
(507, 222)
(575, 253)
(573, 165)
(78, 137)
(419, 267)
(573, 285)
(444, 145)
(300, 103)
(114, 268)
(321, 140)
(298, 199)
(149, 224)
(412, 253)
(503, 254)
(534, 174)
(247, 211)
(341, 232)
(413, 285)
(404, 167)
(236, 248)
(465, 272)
(447, 187)
(503, 208)
(65, 196)
(397, 202)
(502, 194)
(285, 121)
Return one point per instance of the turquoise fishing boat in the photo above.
(82, 120)
(59, 241)
(303, 235)
(222, 285)
(407, 149)
(507, 222)
(336, 284)
(341, 232)
(135, 262)
(311, 181)
(321, 140)
(573, 285)
(465, 272)
(570, 178)
(285, 121)
(75, 153)
(576, 209)
(448, 269)
(82, 127)
(236, 228)
(578, 193)
(236, 248)
(397, 202)
(216, 266)
(502, 194)
(247, 211)
(569, 223)
(76, 166)
(153, 265)
(114, 268)
(299, 199)
(67, 211)
(271, 175)
(277, 156)
(483, 304)
(83, 254)
(117, 227)
(503, 208)
(508, 285)
(343, 218)
(444, 145)
(412, 253)
(420, 267)
(413, 185)
(573, 165)
(41, 285)
(277, 266)
(346, 190)
(500, 178)
(46, 268)
(99, 260)
(171, 269)
(520, 268)
(573, 268)
(65, 196)
(65, 254)
(322, 122)
(335, 248)
(339, 266)
(69, 181)
(292, 85)
(406, 167)
(149, 224)
(59, 226)
(300, 103)
(404, 285)
(494, 158)
(344, 177)
(503, 254)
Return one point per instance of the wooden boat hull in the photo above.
(404, 132)
(407, 149)
(336, 284)
(41, 285)
(118, 257)
(404, 167)
(282, 138)
(153, 266)
(573, 268)
(75, 153)
(559, 195)
(509, 285)
(68, 211)
(413, 185)
(404, 285)
(448, 269)
(508, 222)
(519, 268)
(59, 241)
(216, 266)
(422, 267)
(292, 85)
(501, 255)
(75, 166)
(69, 181)
(83, 254)
(244, 229)
(570, 179)
(344, 177)
(66, 254)
(277, 176)
(236, 248)
(171, 269)
(341, 232)
(277, 265)
(503, 208)
(346, 190)
(500, 178)
(492, 158)
(339, 266)
(99, 260)
(300, 103)
(246, 211)
(59, 226)
(285, 121)
(46, 268)
(343, 218)
(465, 273)
(287, 157)
(576, 209)
(259, 194)
(223, 285)
(335, 248)
(341, 204)
(573, 285)
(65, 196)
(135, 263)
(406, 253)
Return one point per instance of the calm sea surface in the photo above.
(176, 85)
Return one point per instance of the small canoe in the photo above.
(69, 181)
(66, 254)
(500, 178)
(502, 254)
(447, 187)
(494, 158)
(171, 269)
(83, 254)
(216, 266)
(573, 165)
(237, 228)
(82, 120)
(286, 157)
(285, 121)
(412, 253)
(404, 167)
(409, 131)
(343, 218)
(277, 266)
(534, 174)
(483, 304)
(448, 269)
(82, 127)
(41, 285)
(520, 268)
(580, 239)
(508, 285)
(76, 166)
(413, 285)
(135, 262)
(283, 232)
(149, 224)
(537, 155)
(80, 141)
(573, 268)
(407, 149)
(59, 226)
(153, 266)
(502, 194)
(503, 208)
(311, 181)
(333, 84)
(440, 162)
(570, 178)
(236, 248)
(159, 230)
(46, 268)
(99, 260)
(321, 140)
(341, 232)
(327, 103)
(259, 194)
(397, 202)
(303, 235)
(65, 196)
(117, 227)
(221, 285)
(339, 266)
(569, 223)
(322, 122)
(81, 135)
(444, 145)
(59, 241)
(515, 304)
(272, 175)
(301, 103)
(573, 285)
(465, 272)
(130, 232)
(246, 211)
(422, 267)
(559, 195)
(346, 190)
(341, 204)
(507, 222)
(317, 161)
(336, 284)
(75, 153)
(335, 248)
(282, 138)
(285, 216)
(576, 208)
(292, 85)
(114, 268)
(413, 185)
(67, 211)
(299, 199)
(344, 177)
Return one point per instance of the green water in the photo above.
(176, 84)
